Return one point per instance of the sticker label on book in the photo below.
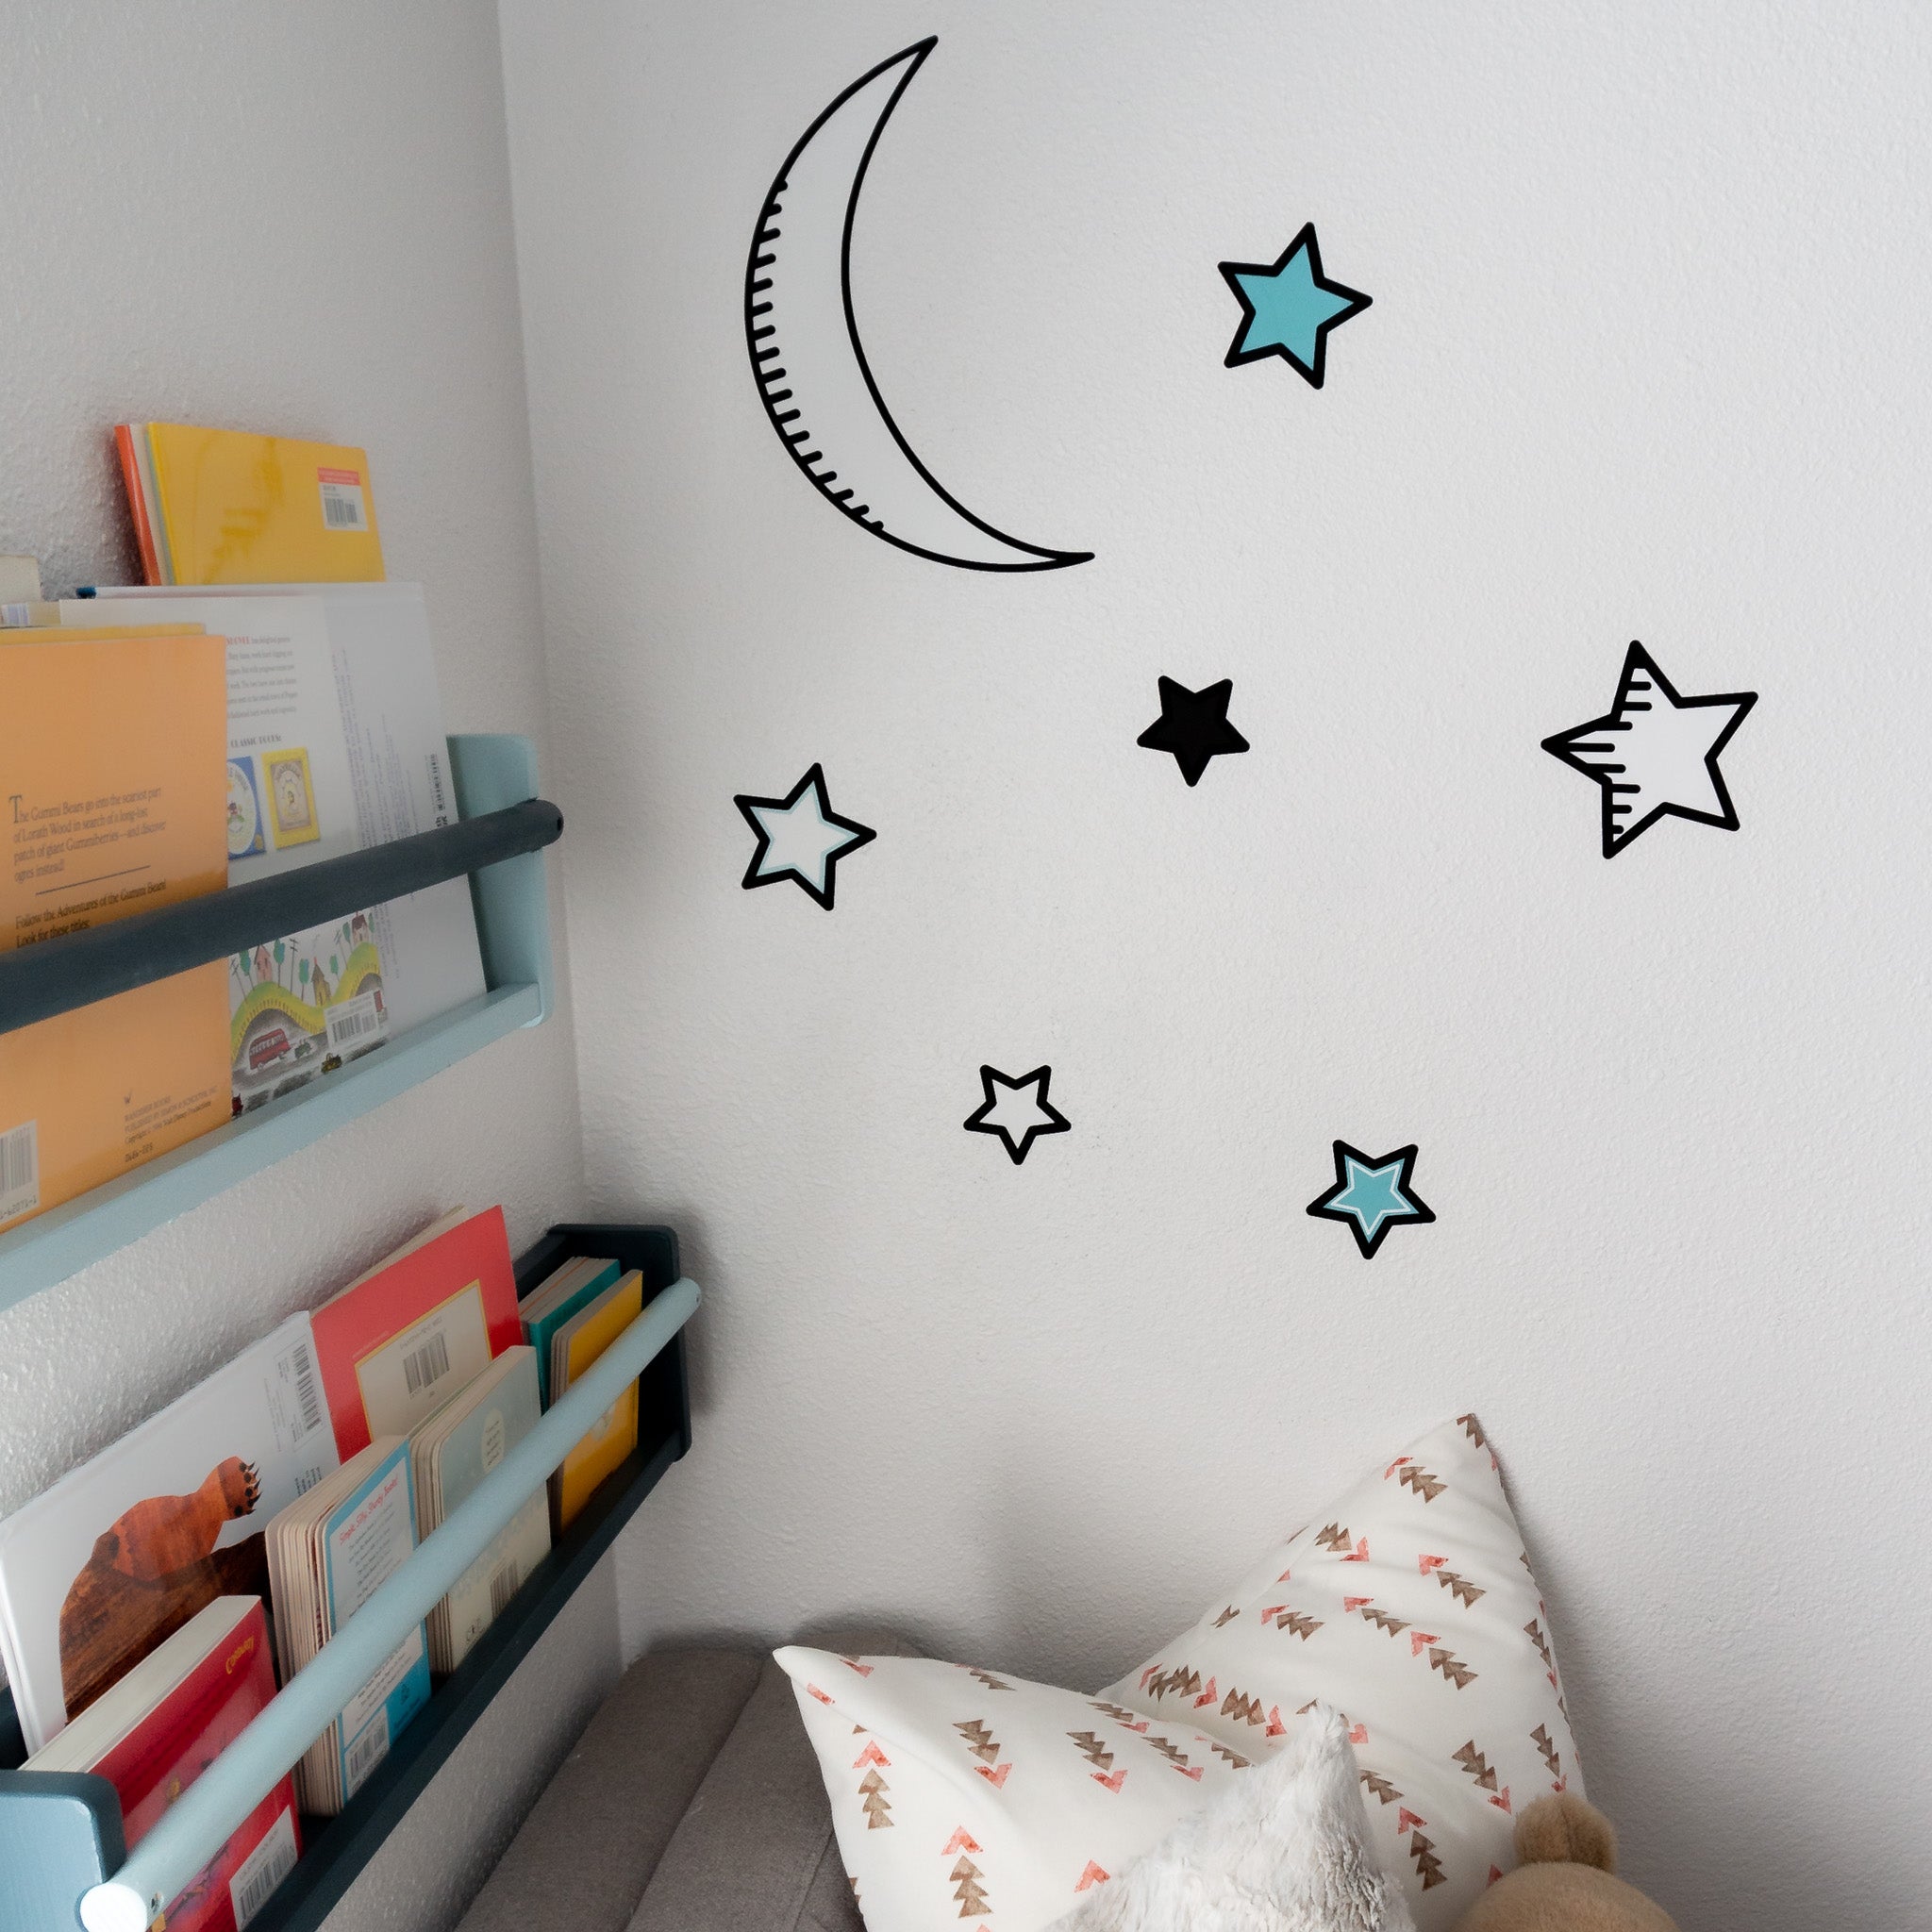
(371, 1703)
(294, 1396)
(20, 1170)
(343, 506)
(405, 1380)
(263, 1869)
(365, 1754)
(356, 1023)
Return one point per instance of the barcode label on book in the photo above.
(263, 1869)
(294, 1397)
(354, 1020)
(342, 508)
(20, 1170)
(502, 1586)
(426, 1364)
(366, 1752)
(307, 1392)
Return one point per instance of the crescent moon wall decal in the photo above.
(810, 364)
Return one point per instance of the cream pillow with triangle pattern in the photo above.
(960, 1794)
(1409, 1606)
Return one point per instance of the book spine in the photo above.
(136, 501)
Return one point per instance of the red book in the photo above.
(396, 1344)
(163, 1725)
(125, 434)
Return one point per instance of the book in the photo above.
(335, 743)
(423, 1323)
(614, 1434)
(163, 1725)
(328, 1553)
(554, 1300)
(224, 507)
(117, 1556)
(108, 808)
(303, 1006)
(450, 1455)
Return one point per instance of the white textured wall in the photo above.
(294, 218)
(1647, 359)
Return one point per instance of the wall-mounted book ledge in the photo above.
(62, 1861)
(498, 842)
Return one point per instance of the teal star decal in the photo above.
(1371, 1193)
(1287, 310)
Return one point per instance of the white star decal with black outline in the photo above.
(1654, 754)
(1019, 1113)
(800, 838)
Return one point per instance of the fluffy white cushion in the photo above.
(1408, 1605)
(965, 1795)
(1284, 1849)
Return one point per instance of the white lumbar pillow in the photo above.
(1283, 1849)
(1409, 1605)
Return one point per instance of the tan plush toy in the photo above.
(1566, 1881)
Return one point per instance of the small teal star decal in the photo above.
(1371, 1193)
(1287, 310)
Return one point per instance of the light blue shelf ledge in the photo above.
(513, 929)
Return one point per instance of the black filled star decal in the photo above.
(1372, 1194)
(1193, 726)
(1288, 307)
(1019, 1113)
(800, 839)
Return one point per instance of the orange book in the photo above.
(113, 751)
(135, 483)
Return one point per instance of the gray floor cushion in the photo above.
(692, 1803)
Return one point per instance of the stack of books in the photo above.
(223, 506)
(163, 1725)
(328, 1555)
(290, 1484)
(265, 701)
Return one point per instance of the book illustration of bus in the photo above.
(302, 1006)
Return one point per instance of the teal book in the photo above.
(365, 1539)
(569, 1290)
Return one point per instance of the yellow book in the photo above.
(614, 1435)
(235, 508)
(112, 749)
(57, 633)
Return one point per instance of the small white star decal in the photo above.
(800, 838)
(1016, 1110)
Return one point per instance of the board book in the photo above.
(552, 1301)
(450, 1455)
(328, 1554)
(426, 1321)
